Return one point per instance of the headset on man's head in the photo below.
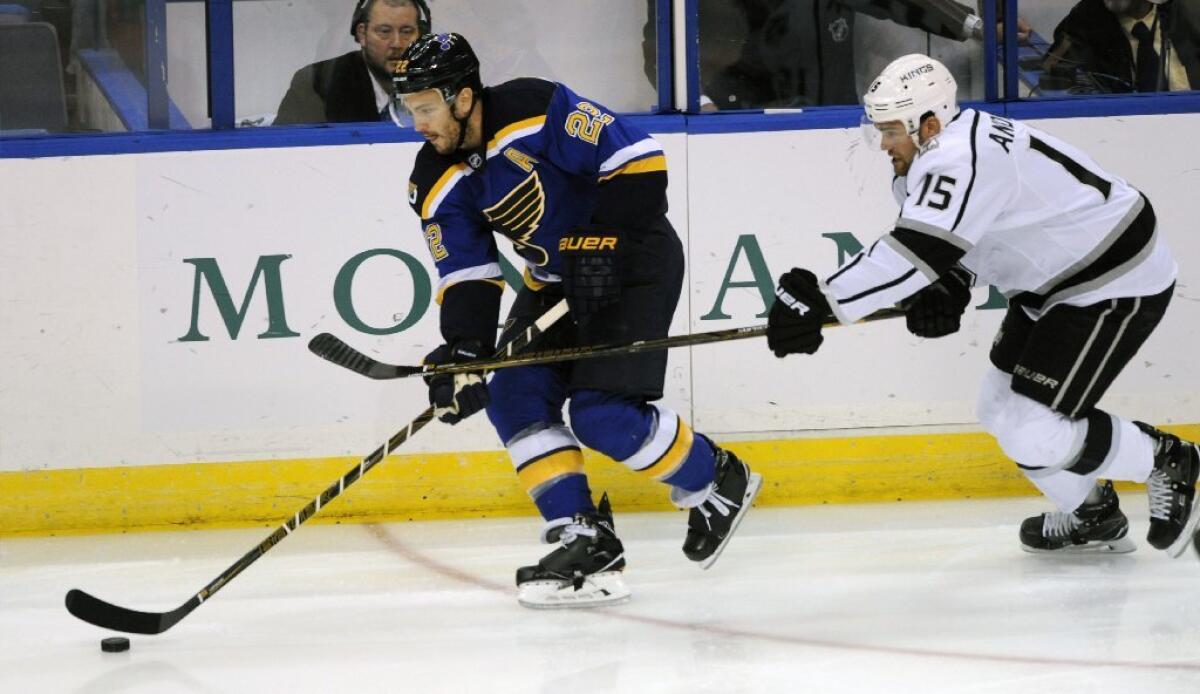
(424, 18)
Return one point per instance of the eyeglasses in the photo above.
(386, 32)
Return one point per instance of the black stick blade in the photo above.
(95, 611)
(332, 349)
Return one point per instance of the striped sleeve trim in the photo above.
(627, 154)
(656, 162)
(930, 254)
(936, 232)
(902, 250)
(487, 273)
(878, 288)
(847, 266)
(838, 313)
(442, 188)
(514, 132)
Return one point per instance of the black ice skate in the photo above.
(1093, 527)
(584, 571)
(714, 519)
(1172, 490)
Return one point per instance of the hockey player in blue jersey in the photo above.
(581, 195)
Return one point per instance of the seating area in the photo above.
(32, 97)
(77, 66)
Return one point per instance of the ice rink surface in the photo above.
(905, 597)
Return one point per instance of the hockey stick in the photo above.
(95, 611)
(331, 348)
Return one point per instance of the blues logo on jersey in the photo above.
(546, 153)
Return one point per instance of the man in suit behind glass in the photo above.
(356, 86)
(1128, 46)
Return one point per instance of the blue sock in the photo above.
(565, 497)
(698, 469)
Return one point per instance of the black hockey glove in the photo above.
(591, 269)
(457, 396)
(936, 310)
(800, 309)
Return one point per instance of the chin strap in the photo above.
(462, 122)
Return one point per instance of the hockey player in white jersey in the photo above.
(1078, 254)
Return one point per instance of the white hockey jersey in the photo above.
(1021, 209)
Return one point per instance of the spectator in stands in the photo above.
(356, 86)
(796, 53)
(1128, 46)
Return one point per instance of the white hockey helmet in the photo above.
(907, 89)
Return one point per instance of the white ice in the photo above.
(904, 597)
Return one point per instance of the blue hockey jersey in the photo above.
(550, 161)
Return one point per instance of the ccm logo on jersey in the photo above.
(588, 243)
(792, 302)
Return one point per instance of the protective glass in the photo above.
(307, 65)
(805, 54)
(97, 67)
(1122, 47)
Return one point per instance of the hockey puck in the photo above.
(114, 644)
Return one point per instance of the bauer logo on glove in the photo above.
(794, 324)
(591, 269)
(587, 243)
(792, 302)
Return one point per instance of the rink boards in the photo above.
(157, 306)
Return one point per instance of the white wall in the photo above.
(95, 296)
(789, 188)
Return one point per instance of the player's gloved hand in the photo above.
(796, 317)
(591, 274)
(457, 396)
(936, 310)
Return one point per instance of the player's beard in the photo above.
(446, 141)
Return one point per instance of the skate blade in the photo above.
(598, 590)
(1185, 537)
(1122, 546)
(753, 485)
